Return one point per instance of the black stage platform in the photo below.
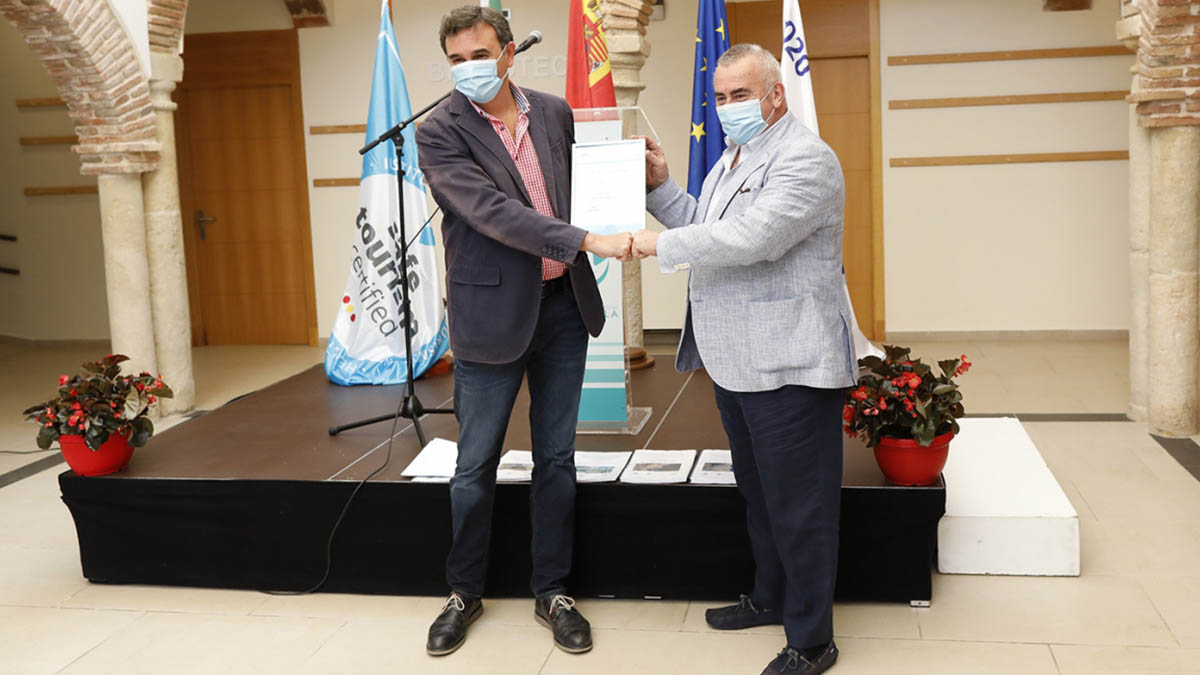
(245, 497)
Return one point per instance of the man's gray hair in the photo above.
(768, 67)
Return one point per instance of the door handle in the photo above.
(201, 221)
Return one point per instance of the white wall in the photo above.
(60, 292)
(133, 14)
(1016, 247)
(1023, 247)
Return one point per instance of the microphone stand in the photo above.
(411, 407)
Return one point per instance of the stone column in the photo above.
(1139, 263)
(164, 245)
(1174, 343)
(122, 222)
(625, 34)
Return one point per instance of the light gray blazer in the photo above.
(766, 307)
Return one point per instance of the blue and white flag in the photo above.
(794, 64)
(708, 139)
(367, 342)
(796, 74)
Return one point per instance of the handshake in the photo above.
(623, 246)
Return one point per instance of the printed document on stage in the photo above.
(608, 186)
(715, 467)
(599, 467)
(516, 466)
(436, 461)
(659, 466)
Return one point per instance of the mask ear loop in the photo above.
(773, 108)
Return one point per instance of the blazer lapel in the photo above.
(541, 143)
(707, 188)
(483, 132)
(756, 162)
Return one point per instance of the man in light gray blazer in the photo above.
(768, 318)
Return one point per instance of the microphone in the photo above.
(534, 38)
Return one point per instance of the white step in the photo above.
(1005, 512)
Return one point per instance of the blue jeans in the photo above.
(483, 399)
(787, 459)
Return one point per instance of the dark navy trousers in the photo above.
(484, 394)
(787, 458)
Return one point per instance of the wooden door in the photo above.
(838, 35)
(241, 156)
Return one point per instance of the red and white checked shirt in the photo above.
(525, 157)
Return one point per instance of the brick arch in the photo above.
(166, 24)
(1168, 61)
(94, 65)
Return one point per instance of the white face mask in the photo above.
(742, 121)
(477, 80)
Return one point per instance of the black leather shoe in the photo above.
(572, 632)
(449, 630)
(742, 615)
(793, 662)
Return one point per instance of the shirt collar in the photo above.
(521, 98)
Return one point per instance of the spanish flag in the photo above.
(589, 75)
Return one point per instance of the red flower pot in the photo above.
(112, 456)
(904, 462)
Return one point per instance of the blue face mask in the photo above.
(743, 121)
(477, 80)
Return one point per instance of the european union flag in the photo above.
(708, 140)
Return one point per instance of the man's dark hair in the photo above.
(468, 16)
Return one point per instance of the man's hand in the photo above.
(657, 172)
(619, 245)
(645, 243)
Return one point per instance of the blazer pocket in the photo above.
(788, 329)
(475, 275)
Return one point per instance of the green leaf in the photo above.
(949, 366)
(896, 354)
(143, 429)
(870, 362)
(46, 436)
(944, 389)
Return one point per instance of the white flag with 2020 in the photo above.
(796, 74)
(367, 342)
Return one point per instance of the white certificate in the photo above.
(608, 186)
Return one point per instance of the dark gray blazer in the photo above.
(494, 238)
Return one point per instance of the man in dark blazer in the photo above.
(522, 300)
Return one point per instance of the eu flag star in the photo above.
(721, 29)
(697, 131)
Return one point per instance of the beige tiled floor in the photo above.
(1135, 609)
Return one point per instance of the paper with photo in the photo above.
(658, 467)
(516, 466)
(436, 460)
(599, 467)
(715, 467)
